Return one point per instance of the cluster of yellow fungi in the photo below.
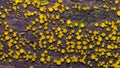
(58, 40)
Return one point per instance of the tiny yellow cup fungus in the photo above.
(96, 24)
(78, 37)
(58, 62)
(42, 59)
(67, 8)
(55, 60)
(69, 22)
(118, 12)
(60, 1)
(10, 30)
(25, 5)
(14, 34)
(31, 66)
(43, 55)
(110, 61)
(5, 33)
(91, 46)
(0, 12)
(3, 16)
(108, 54)
(48, 58)
(41, 9)
(113, 8)
(22, 51)
(68, 60)
(79, 46)
(100, 39)
(95, 7)
(50, 9)
(76, 24)
(103, 34)
(116, 1)
(41, 21)
(57, 17)
(63, 51)
(102, 25)
(82, 25)
(85, 47)
(93, 56)
(7, 37)
(1, 46)
(62, 59)
(84, 42)
(64, 30)
(10, 60)
(98, 42)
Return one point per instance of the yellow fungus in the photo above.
(58, 62)
(93, 56)
(76, 24)
(31, 66)
(7, 37)
(62, 59)
(63, 51)
(64, 30)
(96, 24)
(10, 60)
(79, 47)
(118, 12)
(57, 16)
(0, 13)
(108, 54)
(60, 1)
(102, 25)
(22, 51)
(91, 46)
(25, 5)
(69, 22)
(48, 58)
(78, 37)
(95, 7)
(82, 25)
(113, 8)
(68, 60)
(85, 47)
(67, 8)
(99, 38)
(6, 33)
(50, 9)
(3, 16)
(116, 1)
(42, 59)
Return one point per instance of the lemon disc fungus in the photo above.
(59, 33)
